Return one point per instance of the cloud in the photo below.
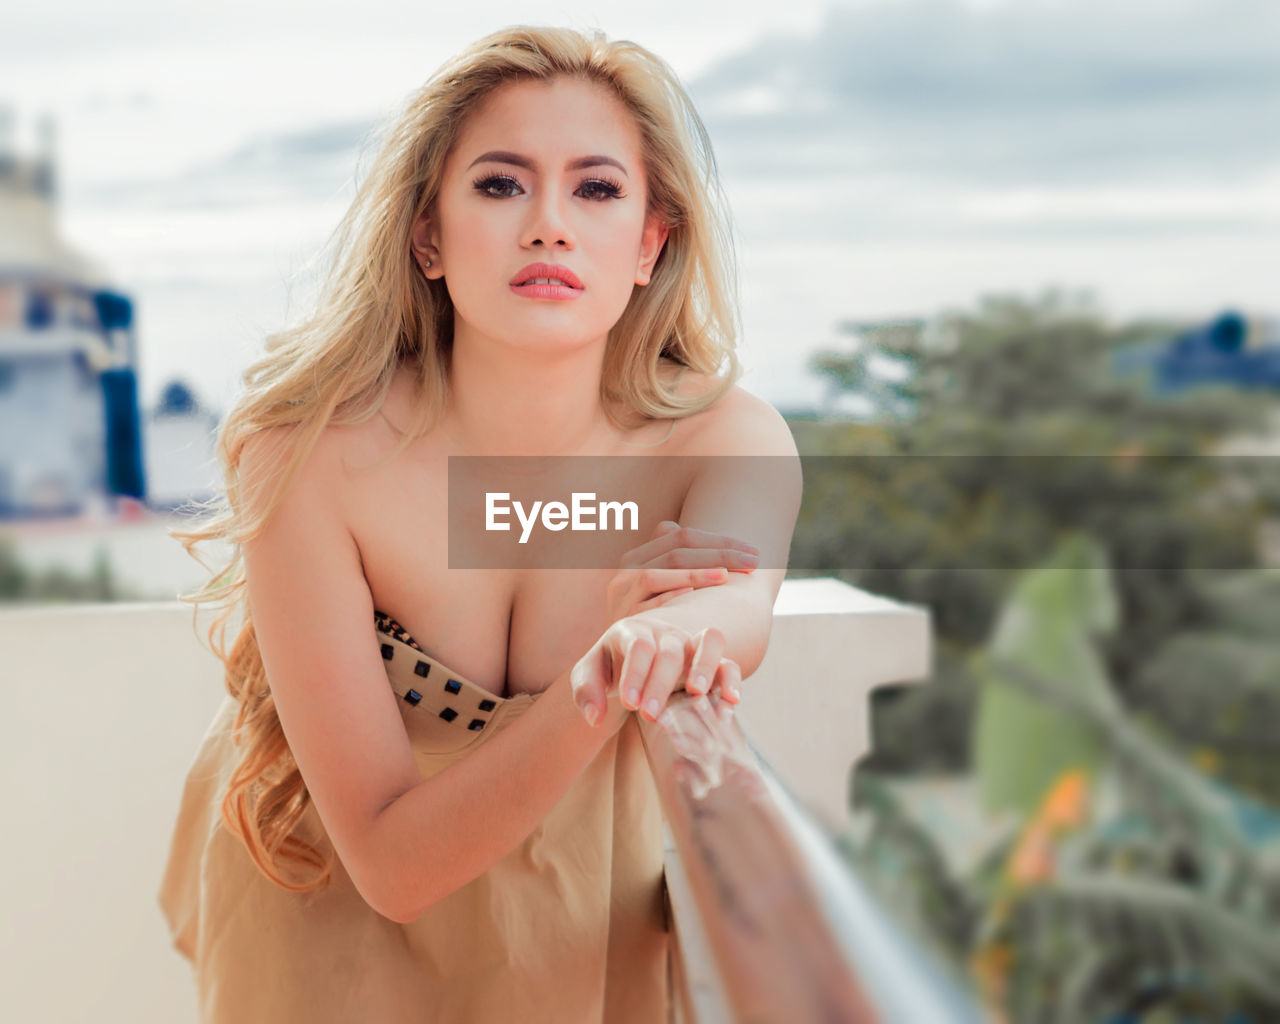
(918, 118)
(309, 164)
(1033, 92)
(324, 140)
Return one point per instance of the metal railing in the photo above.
(770, 925)
(770, 922)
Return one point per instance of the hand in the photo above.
(672, 562)
(644, 660)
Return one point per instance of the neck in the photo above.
(525, 402)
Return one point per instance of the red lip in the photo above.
(547, 270)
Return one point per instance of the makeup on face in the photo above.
(543, 200)
(546, 281)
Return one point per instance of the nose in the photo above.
(545, 223)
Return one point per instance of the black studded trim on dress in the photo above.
(384, 623)
(451, 699)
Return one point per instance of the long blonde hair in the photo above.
(376, 311)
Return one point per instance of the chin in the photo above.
(557, 342)
(554, 334)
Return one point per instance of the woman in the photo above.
(533, 267)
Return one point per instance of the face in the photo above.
(543, 172)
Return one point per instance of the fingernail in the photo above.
(696, 682)
(748, 559)
(652, 707)
(633, 697)
(592, 714)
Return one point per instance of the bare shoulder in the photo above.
(268, 453)
(738, 423)
(339, 449)
(744, 452)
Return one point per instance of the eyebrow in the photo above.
(503, 156)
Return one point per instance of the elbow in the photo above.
(387, 900)
(753, 641)
(749, 641)
(402, 891)
(751, 653)
(749, 659)
(390, 905)
(386, 881)
(400, 915)
(407, 908)
(393, 901)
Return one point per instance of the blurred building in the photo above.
(1232, 349)
(70, 437)
(179, 449)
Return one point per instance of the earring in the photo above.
(426, 263)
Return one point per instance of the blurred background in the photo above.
(1009, 268)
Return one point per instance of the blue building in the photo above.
(1232, 349)
(70, 436)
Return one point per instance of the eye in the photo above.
(487, 185)
(601, 189)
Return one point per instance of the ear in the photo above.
(651, 243)
(425, 243)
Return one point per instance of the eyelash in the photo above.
(612, 189)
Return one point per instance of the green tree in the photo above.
(1011, 430)
(1151, 905)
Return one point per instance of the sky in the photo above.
(882, 158)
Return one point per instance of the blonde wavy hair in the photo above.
(377, 311)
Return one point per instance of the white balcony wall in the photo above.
(106, 705)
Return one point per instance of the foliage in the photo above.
(1012, 430)
(1215, 691)
(21, 584)
(1129, 893)
(1047, 626)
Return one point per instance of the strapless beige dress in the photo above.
(571, 927)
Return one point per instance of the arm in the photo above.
(490, 800)
(749, 487)
(743, 613)
(312, 614)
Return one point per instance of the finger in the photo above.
(685, 558)
(639, 555)
(728, 681)
(636, 666)
(706, 660)
(664, 675)
(661, 599)
(659, 581)
(711, 577)
(694, 549)
(690, 537)
(587, 681)
(684, 537)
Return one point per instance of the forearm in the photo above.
(741, 609)
(451, 828)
